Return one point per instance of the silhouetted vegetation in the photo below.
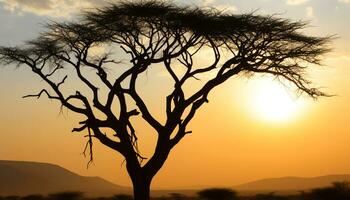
(217, 194)
(66, 196)
(33, 197)
(269, 196)
(337, 191)
(122, 197)
(152, 33)
(13, 197)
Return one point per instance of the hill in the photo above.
(23, 178)
(291, 183)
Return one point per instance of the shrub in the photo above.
(66, 196)
(33, 197)
(217, 194)
(269, 196)
(122, 197)
(339, 191)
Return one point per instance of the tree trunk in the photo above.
(141, 177)
(141, 181)
(142, 189)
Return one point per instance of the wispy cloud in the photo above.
(69, 8)
(52, 8)
(296, 2)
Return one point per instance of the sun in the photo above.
(272, 101)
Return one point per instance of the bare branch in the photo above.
(40, 93)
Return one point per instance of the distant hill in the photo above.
(23, 178)
(291, 183)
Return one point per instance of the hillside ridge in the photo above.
(293, 182)
(27, 177)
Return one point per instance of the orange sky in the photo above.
(231, 143)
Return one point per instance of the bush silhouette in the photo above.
(12, 197)
(33, 197)
(217, 194)
(122, 197)
(338, 191)
(66, 196)
(269, 196)
(176, 196)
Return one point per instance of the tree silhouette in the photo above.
(156, 33)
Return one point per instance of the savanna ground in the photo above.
(338, 191)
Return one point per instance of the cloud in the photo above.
(296, 2)
(310, 12)
(226, 8)
(52, 8)
(344, 1)
(70, 8)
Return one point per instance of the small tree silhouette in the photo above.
(157, 33)
(217, 194)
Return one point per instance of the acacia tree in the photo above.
(154, 33)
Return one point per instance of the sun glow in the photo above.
(272, 101)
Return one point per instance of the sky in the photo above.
(241, 135)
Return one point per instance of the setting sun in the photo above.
(271, 101)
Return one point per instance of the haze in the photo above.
(232, 142)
